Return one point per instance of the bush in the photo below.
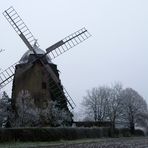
(139, 132)
(125, 132)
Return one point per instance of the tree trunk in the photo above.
(132, 128)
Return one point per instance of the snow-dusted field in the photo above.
(137, 142)
(109, 143)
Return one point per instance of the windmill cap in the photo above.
(25, 57)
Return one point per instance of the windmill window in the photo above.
(44, 85)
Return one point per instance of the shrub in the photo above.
(139, 132)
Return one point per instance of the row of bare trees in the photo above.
(117, 105)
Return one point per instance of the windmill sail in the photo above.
(60, 93)
(67, 43)
(20, 27)
(7, 75)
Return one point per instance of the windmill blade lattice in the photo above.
(20, 27)
(60, 92)
(70, 101)
(7, 75)
(67, 43)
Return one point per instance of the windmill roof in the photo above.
(25, 57)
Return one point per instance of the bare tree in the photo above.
(103, 103)
(96, 103)
(133, 107)
(114, 103)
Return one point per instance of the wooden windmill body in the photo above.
(35, 73)
(35, 80)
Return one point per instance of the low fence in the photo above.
(92, 123)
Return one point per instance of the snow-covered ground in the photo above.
(137, 142)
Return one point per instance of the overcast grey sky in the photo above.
(117, 50)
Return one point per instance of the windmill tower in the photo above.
(35, 73)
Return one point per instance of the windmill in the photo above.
(35, 71)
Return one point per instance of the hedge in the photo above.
(55, 134)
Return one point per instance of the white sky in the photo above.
(117, 50)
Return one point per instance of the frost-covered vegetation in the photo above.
(122, 107)
(26, 114)
(5, 109)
